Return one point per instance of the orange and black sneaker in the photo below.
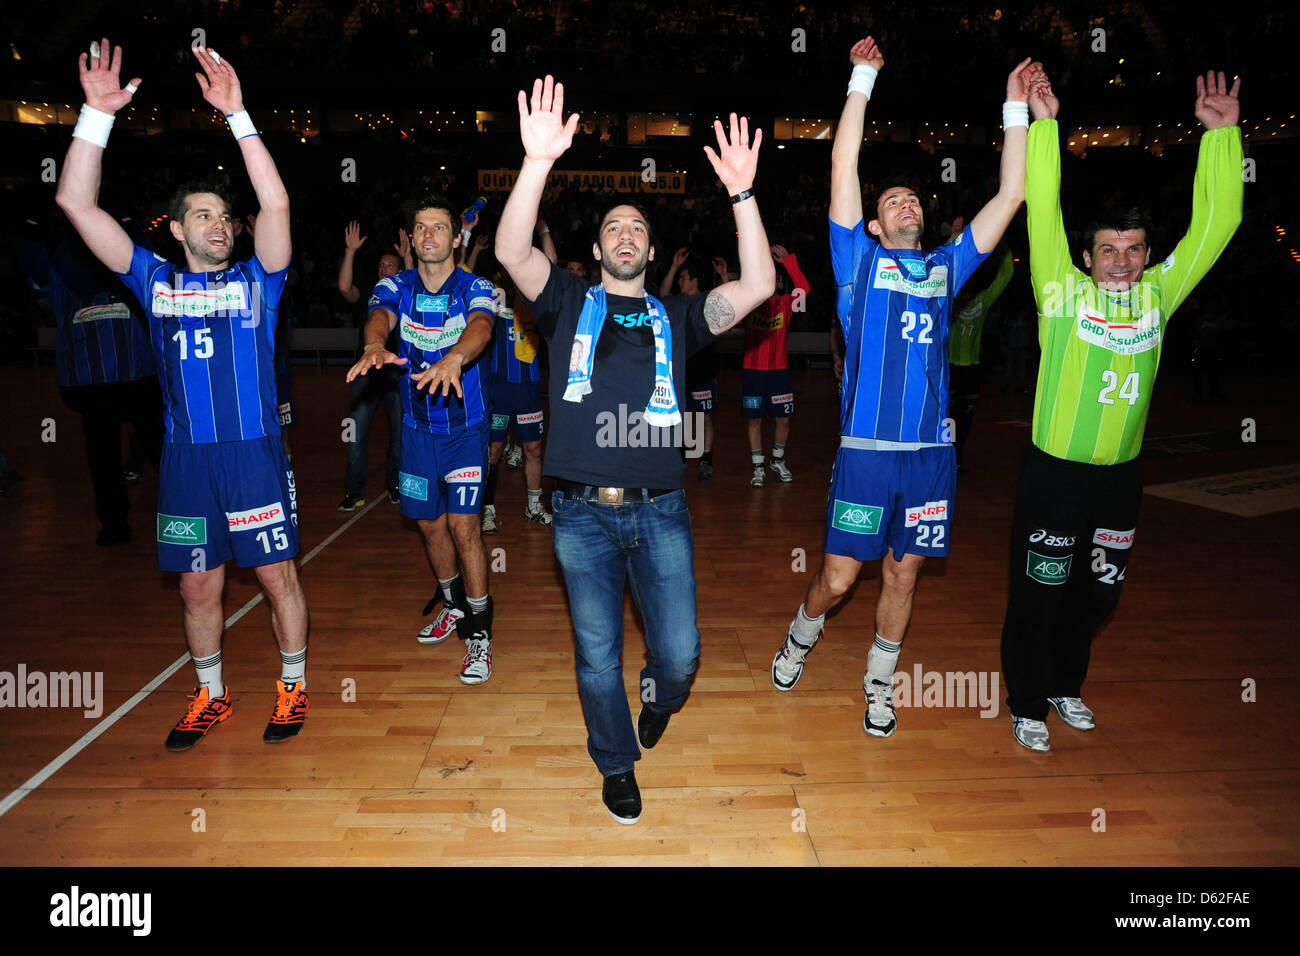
(200, 717)
(290, 713)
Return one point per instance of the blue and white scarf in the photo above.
(661, 410)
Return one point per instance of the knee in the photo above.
(433, 529)
(466, 532)
(837, 581)
(200, 589)
(280, 580)
(897, 577)
(533, 450)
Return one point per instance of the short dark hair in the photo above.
(641, 210)
(893, 181)
(179, 205)
(1120, 219)
(430, 201)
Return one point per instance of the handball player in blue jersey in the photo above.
(225, 488)
(444, 318)
(892, 485)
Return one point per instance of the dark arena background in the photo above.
(366, 105)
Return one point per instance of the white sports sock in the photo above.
(293, 667)
(882, 659)
(446, 587)
(208, 670)
(477, 605)
(534, 499)
(807, 628)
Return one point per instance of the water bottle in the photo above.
(470, 215)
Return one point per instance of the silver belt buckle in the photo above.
(611, 496)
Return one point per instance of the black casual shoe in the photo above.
(352, 502)
(108, 537)
(394, 496)
(622, 797)
(650, 726)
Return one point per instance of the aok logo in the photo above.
(1118, 540)
(855, 518)
(1051, 540)
(255, 517)
(1048, 570)
(413, 486)
(500, 422)
(173, 529)
(930, 511)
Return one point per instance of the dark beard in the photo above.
(630, 270)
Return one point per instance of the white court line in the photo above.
(53, 767)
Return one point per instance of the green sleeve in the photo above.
(1049, 250)
(1216, 212)
(1006, 266)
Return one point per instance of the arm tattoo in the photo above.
(719, 313)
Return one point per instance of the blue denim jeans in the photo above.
(367, 393)
(599, 547)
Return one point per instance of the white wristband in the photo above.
(241, 124)
(863, 79)
(93, 126)
(1014, 113)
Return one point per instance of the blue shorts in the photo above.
(766, 393)
(521, 401)
(223, 500)
(443, 473)
(701, 396)
(891, 500)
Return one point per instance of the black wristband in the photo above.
(742, 196)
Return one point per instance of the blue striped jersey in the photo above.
(428, 325)
(213, 337)
(507, 366)
(102, 334)
(896, 306)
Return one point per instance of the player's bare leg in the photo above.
(825, 591)
(533, 483)
(289, 621)
(780, 434)
(476, 627)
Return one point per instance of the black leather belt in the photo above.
(609, 496)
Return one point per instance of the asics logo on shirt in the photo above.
(631, 320)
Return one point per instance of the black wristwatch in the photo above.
(742, 196)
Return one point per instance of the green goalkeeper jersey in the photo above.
(1101, 350)
(968, 325)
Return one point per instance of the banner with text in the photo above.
(589, 180)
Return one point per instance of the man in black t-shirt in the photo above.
(616, 390)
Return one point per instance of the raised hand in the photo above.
(542, 129)
(735, 162)
(679, 257)
(352, 237)
(403, 244)
(779, 253)
(444, 374)
(100, 79)
(1022, 78)
(1216, 105)
(481, 242)
(1043, 103)
(866, 51)
(957, 228)
(218, 82)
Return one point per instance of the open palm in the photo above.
(735, 162)
(218, 81)
(543, 130)
(100, 78)
(1216, 105)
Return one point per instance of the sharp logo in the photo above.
(1116, 540)
(703, 396)
(413, 486)
(176, 529)
(529, 418)
(465, 476)
(1051, 540)
(780, 399)
(255, 517)
(855, 518)
(1046, 569)
(930, 511)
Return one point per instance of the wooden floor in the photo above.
(422, 770)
